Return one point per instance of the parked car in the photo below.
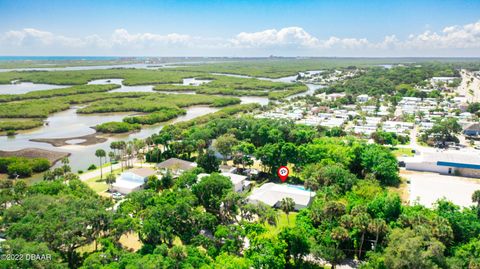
(117, 196)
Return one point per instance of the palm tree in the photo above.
(287, 205)
(148, 142)
(111, 156)
(476, 199)
(360, 222)
(100, 153)
(140, 157)
(129, 152)
(377, 227)
(339, 234)
(66, 168)
(121, 146)
(110, 179)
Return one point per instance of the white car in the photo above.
(117, 195)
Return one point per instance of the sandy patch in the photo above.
(85, 140)
(52, 156)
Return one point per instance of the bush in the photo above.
(21, 169)
(4, 163)
(92, 167)
(155, 117)
(40, 165)
(117, 127)
(18, 166)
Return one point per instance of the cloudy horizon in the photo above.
(302, 39)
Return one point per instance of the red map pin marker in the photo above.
(283, 172)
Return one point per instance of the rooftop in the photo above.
(143, 172)
(177, 164)
(271, 194)
(459, 159)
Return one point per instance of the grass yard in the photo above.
(96, 185)
(100, 186)
(401, 152)
(282, 222)
(131, 241)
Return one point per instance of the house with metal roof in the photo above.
(272, 193)
(472, 130)
(176, 166)
(132, 180)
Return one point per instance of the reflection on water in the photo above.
(145, 88)
(70, 124)
(123, 88)
(289, 79)
(311, 91)
(194, 81)
(25, 87)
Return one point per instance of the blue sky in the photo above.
(240, 28)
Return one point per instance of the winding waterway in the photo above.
(68, 123)
(25, 87)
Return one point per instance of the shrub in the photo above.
(39, 165)
(116, 127)
(21, 169)
(17, 166)
(92, 167)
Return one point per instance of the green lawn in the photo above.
(282, 222)
(96, 185)
(399, 152)
(100, 186)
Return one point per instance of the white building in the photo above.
(363, 98)
(132, 180)
(446, 80)
(447, 162)
(334, 96)
(271, 194)
(333, 122)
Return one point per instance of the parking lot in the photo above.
(429, 187)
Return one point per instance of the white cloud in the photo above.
(452, 37)
(122, 37)
(451, 41)
(290, 36)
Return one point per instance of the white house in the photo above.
(334, 96)
(271, 194)
(132, 180)
(363, 98)
(445, 80)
